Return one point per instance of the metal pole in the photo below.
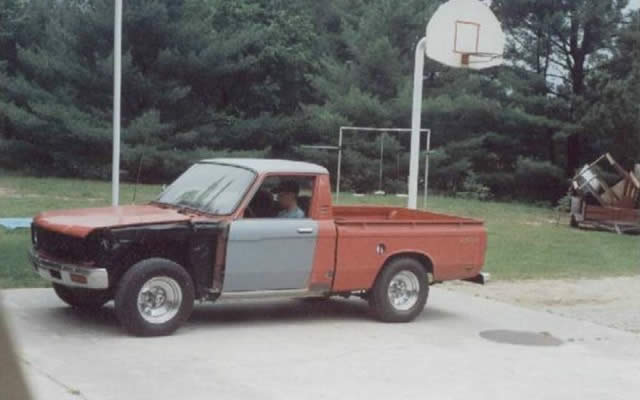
(339, 166)
(426, 170)
(117, 76)
(381, 161)
(418, 73)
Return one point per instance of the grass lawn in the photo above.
(525, 242)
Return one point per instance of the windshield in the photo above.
(211, 188)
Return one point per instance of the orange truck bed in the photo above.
(370, 236)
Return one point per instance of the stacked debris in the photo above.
(597, 204)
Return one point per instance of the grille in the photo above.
(61, 246)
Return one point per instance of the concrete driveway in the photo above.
(457, 349)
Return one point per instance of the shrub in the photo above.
(501, 184)
(564, 203)
(538, 180)
(473, 189)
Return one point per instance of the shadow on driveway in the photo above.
(246, 313)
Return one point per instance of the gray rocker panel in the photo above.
(269, 254)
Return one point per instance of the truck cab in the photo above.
(247, 228)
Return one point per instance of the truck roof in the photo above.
(262, 165)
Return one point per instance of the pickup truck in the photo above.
(218, 232)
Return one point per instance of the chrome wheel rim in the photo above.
(403, 290)
(159, 299)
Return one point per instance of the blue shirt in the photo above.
(294, 213)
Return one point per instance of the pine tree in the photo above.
(568, 38)
(613, 106)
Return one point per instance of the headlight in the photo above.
(34, 235)
(98, 243)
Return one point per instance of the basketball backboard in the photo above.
(465, 34)
(460, 34)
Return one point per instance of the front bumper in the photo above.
(69, 274)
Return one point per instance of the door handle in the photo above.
(305, 230)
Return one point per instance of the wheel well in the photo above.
(425, 261)
(139, 252)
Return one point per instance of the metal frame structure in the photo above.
(339, 148)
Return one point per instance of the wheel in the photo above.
(400, 292)
(87, 299)
(154, 297)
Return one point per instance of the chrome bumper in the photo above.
(69, 274)
(482, 278)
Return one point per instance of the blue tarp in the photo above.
(15, 223)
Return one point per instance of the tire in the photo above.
(389, 284)
(83, 299)
(154, 297)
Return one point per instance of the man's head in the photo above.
(287, 194)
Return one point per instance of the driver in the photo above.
(287, 193)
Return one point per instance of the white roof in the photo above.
(261, 165)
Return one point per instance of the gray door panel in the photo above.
(269, 254)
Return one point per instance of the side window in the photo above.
(282, 196)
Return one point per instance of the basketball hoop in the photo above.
(477, 58)
(460, 34)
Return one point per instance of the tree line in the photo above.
(206, 78)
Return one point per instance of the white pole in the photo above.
(117, 76)
(418, 73)
(339, 166)
(426, 170)
(381, 161)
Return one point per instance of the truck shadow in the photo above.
(286, 311)
(254, 313)
(278, 311)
